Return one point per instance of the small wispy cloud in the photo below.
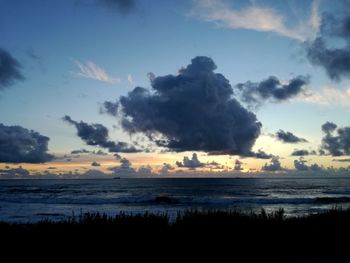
(254, 17)
(130, 79)
(327, 96)
(91, 71)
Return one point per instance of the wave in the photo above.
(167, 200)
(330, 200)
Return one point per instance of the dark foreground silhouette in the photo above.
(244, 237)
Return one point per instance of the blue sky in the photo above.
(51, 38)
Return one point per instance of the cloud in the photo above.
(335, 144)
(190, 163)
(95, 164)
(288, 137)
(123, 169)
(83, 151)
(130, 79)
(120, 6)
(297, 152)
(31, 53)
(14, 173)
(214, 165)
(341, 160)
(99, 152)
(328, 96)
(92, 71)
(255, 17)
(89, 174)
(326, 51)
(194, 163)
(315, 167)
(191, 111)
(238, 165)
(301, 165)
(255, 94)
(260, 154)
(20, 145)
(10, 69)
(144, 170)
(79, 151)
(274, 165)
(166, 168)
(97, 135)
(110, 107)
(117, 157)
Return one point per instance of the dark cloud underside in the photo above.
(10, 70)
(191, 111)
(192, 163)
(274, 165)
(120, 6)
(300, 153)
(255, 94)
(20, 145)
(97, 135)
(336, 140)
(288, 137)
(322, 52)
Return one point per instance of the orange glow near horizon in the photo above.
(83, 163)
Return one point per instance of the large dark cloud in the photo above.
(10, 69)
(326, 50)
(97, 135)
(256, 93)
(20, 145)
(336, 140)
(274, 165)
(191, 111)
(121, 6)
(289, 137)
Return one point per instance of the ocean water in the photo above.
(34, 200)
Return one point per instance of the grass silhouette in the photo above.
(267, 236)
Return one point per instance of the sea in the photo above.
(35, 200)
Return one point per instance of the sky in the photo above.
(141, 87)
